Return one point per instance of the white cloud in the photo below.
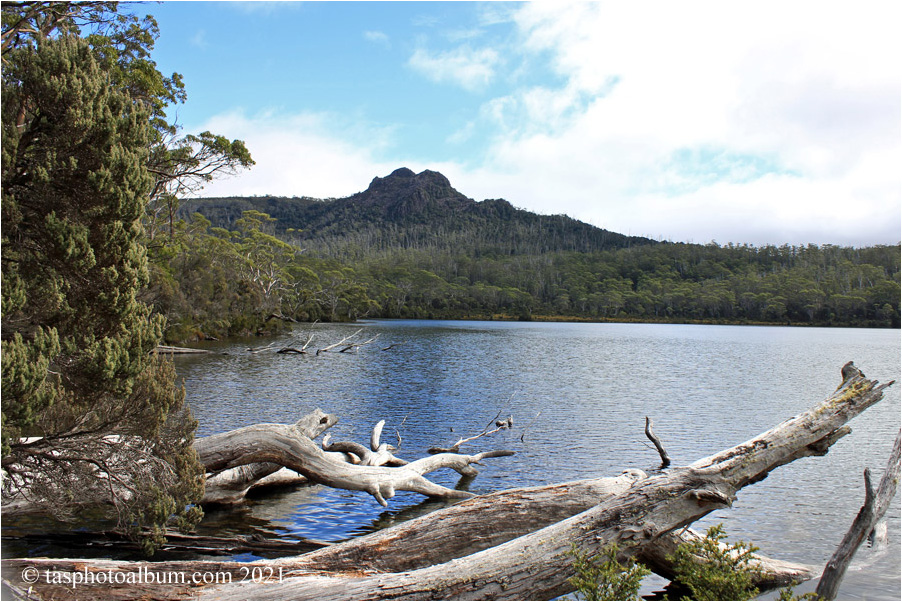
(469, 68)
(762, 122)
(199, 40)
(803, 96)
(309, 154)
(378, 37)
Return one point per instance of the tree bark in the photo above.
(231, 486)
(536, 565)
(177, 543)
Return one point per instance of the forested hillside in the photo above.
(412, 246)
(412, 211)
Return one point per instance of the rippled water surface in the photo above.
(579, 394)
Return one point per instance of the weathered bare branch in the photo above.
(356, 346)
(339, 343)
(287, 446)
(500, 425)
(665, 459)
(876, 502)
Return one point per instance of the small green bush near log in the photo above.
(711, 570)
(707, 568)
(603, 577)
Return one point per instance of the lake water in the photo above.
(579, 394)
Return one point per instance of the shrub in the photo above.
(603, 577)
(712, 570)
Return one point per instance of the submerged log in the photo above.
(533, 566)
(176, 543)
(170, 350)
(232, 486)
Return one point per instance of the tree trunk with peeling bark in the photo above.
(534, 565)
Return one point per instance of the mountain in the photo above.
(413, 211)
(411, 246)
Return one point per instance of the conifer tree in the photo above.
(88, 415)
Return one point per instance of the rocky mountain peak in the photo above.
(404, 193)
(405, 179)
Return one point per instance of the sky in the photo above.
(764, 122)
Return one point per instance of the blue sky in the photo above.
(760, 122)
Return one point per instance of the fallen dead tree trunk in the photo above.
(231, 486)
(492, 519)
(476, 524)
(489, 520)
(537, 565)
(290, 447)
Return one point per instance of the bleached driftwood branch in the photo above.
(876, 503)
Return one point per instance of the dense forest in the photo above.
(410, 246)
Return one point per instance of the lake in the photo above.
(579, 394)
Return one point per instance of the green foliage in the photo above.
(787, 595)
(183, 166)
(77, 370)
(451, 259)
(712, 570)
(121, 45)
(604, 577)
(662, 282)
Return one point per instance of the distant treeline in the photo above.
(212, 281)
